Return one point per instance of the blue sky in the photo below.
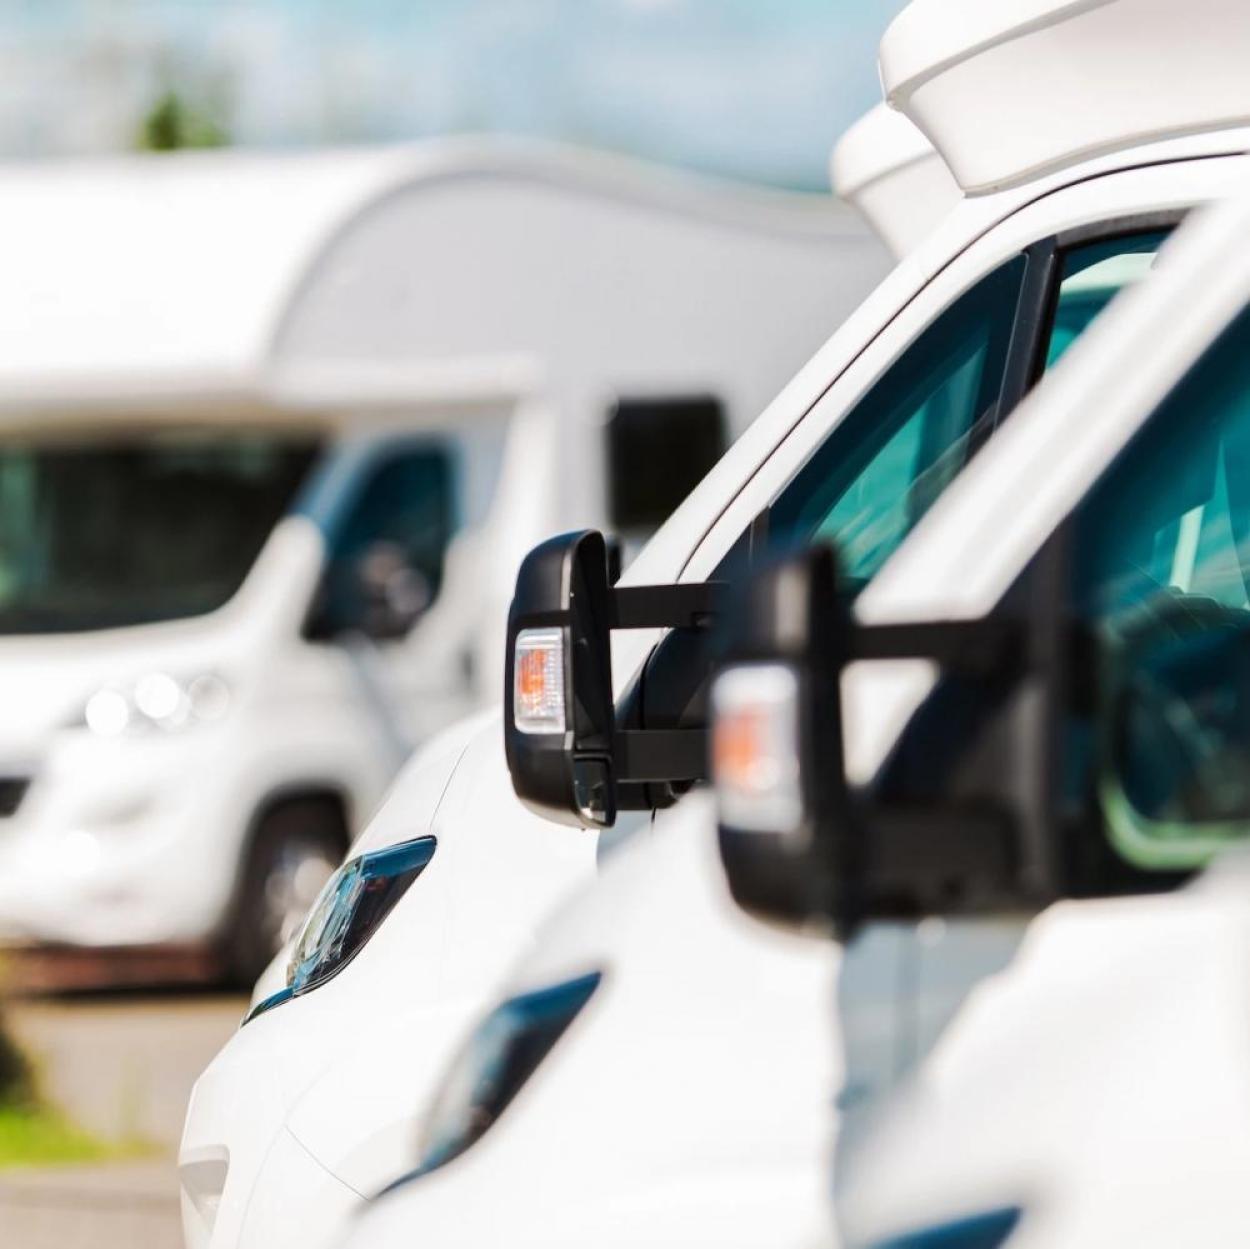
(757, 88)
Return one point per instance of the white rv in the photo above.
(274, 433)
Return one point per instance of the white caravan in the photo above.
(274, 434)
(322, 1094)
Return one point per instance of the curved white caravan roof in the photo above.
(894, 177)
(298, 278)
(1009, 89)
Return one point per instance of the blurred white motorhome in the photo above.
(275, 432)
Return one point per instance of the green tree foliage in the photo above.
(172, 123)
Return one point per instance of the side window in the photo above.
(1090, 276)
(386, 560)
(1161, 554)
(891, 456)
(884, 466)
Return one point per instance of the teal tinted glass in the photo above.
(886, 464)
(1162, 573)
(893, 454)
(1091, 276)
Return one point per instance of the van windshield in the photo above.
(98, 532)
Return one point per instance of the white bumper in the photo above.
(120, 843)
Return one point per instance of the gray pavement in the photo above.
(123, 1067)
(115, 1205)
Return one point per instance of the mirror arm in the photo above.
(690, 605)
(661, 754)
(986, 647)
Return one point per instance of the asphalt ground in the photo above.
(122, 1065)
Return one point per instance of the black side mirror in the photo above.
(777, 742)
(558, 683)
(798, 843)
(392, 594)
(375, 592)
(564, 749)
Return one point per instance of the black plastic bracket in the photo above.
(691, 605)
(661, 754)
(983, 647)
(664, 755)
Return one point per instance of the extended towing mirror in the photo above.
(799, 844)
(565, 752)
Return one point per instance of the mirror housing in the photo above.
(393, 594)
(377, 594)
(798, 843)
(565, 752)
(558, 711)
(777, 743)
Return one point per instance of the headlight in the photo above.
(156, 700)
(503, 1052)
(348, 911)
(986, 1230)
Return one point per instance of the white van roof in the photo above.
(891, 173)
(1009, 89)
(379, 275)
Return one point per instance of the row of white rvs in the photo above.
(275, 432)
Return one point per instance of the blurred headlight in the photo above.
(156, 701)
(501, 1055)
(348, 911)
(986, 1230)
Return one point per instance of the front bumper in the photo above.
(110, 846)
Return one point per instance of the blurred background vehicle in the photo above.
(261, 495)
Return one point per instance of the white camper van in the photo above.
(274, 433)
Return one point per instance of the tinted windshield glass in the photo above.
(98, 533)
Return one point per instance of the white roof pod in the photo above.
(1009, 89)
(894, 177)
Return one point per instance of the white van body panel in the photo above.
(694, 993)
(1129, 1017)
